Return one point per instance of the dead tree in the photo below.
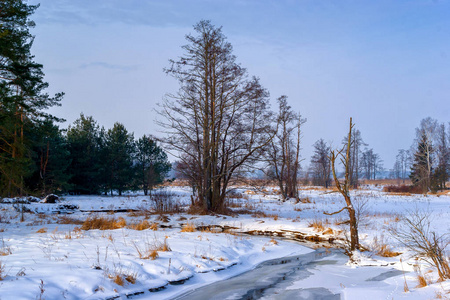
(343, 188)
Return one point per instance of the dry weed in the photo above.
(69, 220)
(96, 222)
(140, 226)
(188, 227)
(317, 225)
(42, 230)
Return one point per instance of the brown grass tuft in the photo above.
(42, 230)
(421, 281)
(153, 255)
(117, 279)
(188, 227)
(317, 225)
(140, 226)
(131, 278)
(96, 222)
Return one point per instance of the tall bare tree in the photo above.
(283, 153)
(219, 119)
(343, 188)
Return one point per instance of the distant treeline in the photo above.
(87, 159)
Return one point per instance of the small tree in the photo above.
(343, 188)
(151, 163)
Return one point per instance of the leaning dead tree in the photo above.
(343, 188)
(219, 121)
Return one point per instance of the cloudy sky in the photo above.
(384, 63)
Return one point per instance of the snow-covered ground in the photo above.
(49, 256)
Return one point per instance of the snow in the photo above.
(81, 264)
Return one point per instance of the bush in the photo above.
(417, 236)
(164, 202)
(411, 189)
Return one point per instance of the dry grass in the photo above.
(317, 225)
(273, 241)
(421, 281)
(131, 278)
(118, 279)
(42, 230)
(305, 200)
(188, 227)
(383, 249)
(140, 226)
(69, 220)
(96, 222)
(150, 251)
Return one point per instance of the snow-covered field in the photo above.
(49, 255)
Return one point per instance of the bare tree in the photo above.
(371, 163)
(401, 164)
(343, 188)
(442, 172)
(355, 154)
(219, 119)
(283, 153)
(320, 164)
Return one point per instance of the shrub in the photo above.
(403, 189)
(164, 202)
(417, 236)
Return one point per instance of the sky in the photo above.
(386, 64)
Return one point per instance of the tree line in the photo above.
(427, 162)
(218, 125)
(36, 156)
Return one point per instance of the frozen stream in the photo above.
(282, 279)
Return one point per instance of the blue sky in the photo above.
(384, 63)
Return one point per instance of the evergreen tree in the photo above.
(118, 161)
(84, 143)
(151, 163)
(422, 167)
(22, 96)
(51, 159)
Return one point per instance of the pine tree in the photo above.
(22, 96)
(151, 163)
(118, 161)
(84, 143)
(51, 159)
